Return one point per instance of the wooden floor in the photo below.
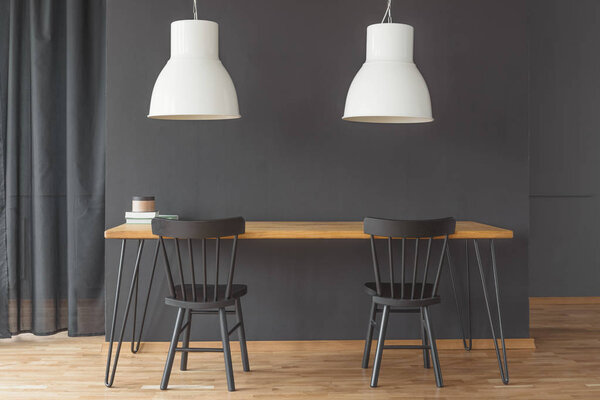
(565, 365)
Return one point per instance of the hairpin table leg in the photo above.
(502, 361)
(456, 302)
(109, 376)
(134, 349)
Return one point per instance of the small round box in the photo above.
(143, 204)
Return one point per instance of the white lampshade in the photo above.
(194, 84)
(388, 88)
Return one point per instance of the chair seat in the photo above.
(237, 291)
(398, 300)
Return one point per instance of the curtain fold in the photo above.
(52, 208)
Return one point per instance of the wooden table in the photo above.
(313, 230)
(466, 230)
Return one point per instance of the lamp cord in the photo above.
(388, 12)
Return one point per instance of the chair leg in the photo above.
(434, 354)
(242, 335)
(186, 340)
(369, 338)
(424, 341)
(171, 356)
(226, 349)
(380, 344)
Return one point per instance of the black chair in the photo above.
(415, 294)
(202, 298)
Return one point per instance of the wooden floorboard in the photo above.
(563, 300)
(565, 365)
(328, 345)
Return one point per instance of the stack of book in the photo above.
(133, 217)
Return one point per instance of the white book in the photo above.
(139, 220)
(143, 215)
(149, 220)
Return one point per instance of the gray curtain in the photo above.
(52, 125)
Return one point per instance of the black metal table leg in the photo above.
(496, 286)
(135, 349)
(470, 346)
(114, 317)
(502, 360)
(109, 376)
(456, 302)
(135, 278)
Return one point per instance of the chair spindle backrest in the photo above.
(199, 230)
(407, 230)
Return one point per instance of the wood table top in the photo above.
(313, 230)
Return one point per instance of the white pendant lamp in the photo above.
(194, 84)
(388, 88)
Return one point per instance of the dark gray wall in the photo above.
(291, 157)
(564, 255)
